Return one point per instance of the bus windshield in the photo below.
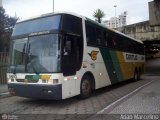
(36, 54)
(42, 24)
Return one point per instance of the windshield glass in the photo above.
(37, 25)
(38, 54)
(17, 55)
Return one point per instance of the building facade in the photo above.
(154, 13)
(150, 35)
(115, 22)
(147, 31)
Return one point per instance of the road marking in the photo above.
(122, 99)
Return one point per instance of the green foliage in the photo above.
(98, 15)
(6, 27)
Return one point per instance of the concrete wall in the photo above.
(147, 30)
(154, 12)
(142, 31)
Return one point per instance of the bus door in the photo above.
(72, 51)
(71, 59)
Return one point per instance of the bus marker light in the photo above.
(68, 78)
(78, 78)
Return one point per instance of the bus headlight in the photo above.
(55, 81)
(51, 81)
(10, 80)
(44, 81)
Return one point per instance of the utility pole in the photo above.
(53, 5)
(1, 3)
(115, 16)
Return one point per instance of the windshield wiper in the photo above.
(14, 70)
(35, 70)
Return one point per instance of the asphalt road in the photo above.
(64, 109)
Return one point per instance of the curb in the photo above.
(5, 94)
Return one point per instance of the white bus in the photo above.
(60, 55)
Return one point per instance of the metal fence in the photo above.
(3, 67)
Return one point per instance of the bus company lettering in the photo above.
(131, 57)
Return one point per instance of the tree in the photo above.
(6, 27)
(98, 15)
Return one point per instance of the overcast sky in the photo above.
(24, 9)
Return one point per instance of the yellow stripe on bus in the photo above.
(127, 68)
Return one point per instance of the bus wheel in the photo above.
(136, 75)
(85, 88)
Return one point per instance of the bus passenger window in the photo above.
(109, 39)
(106, 36)
(90, 33)
(99, 36)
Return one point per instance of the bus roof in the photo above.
(50, 14)
(83, 17)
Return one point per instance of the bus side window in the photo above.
(90, 33)
(104, 38)
(114, 41)
(109, 39)
(100, 38)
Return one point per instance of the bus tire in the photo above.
(85, 88)
(136, 75)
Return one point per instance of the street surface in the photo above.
(147, 96)
(88, 107)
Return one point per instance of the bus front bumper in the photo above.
(36, 91)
